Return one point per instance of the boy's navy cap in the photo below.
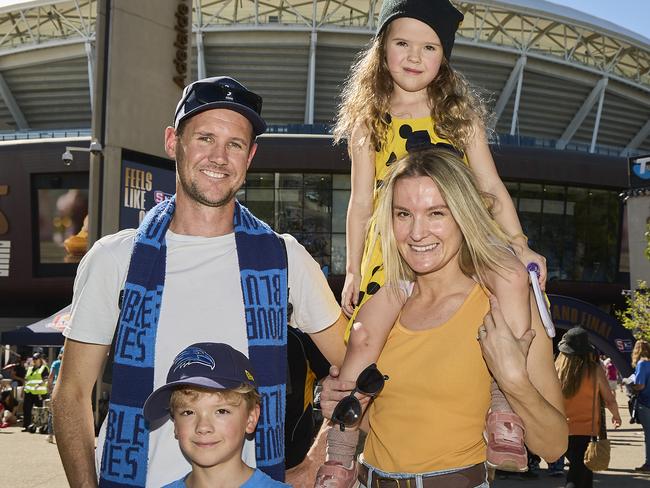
(220, 92)
(205, 365)
(440, 15)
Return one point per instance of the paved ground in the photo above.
(29, 461)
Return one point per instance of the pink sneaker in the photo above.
(333, 474)
(505, 446)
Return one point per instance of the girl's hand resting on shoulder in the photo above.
(350, 293)
(504, 354)
(526, 255)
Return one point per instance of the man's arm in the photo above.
(72, 410)
(330, 341)
(50, 380)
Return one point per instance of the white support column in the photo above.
(90, 55)
(515, 109)
(509, 87)
(637, 139)
(200, 55)
(581, 114)
(599, 112)
(371, 15)
(12, 105)
(311, 73)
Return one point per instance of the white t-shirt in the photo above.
(202, 302)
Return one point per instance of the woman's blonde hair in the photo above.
(571, 370)
(365, 100)
(184, 395)
(484, 245)
(641, 351)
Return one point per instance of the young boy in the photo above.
(213, 401)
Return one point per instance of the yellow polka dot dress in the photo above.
(404, 136)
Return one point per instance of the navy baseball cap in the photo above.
(205, 365)
(220, 92)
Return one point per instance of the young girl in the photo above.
(402, 96)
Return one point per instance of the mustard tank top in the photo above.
(431, 413)
(403, 136)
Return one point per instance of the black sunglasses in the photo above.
(348, 410)
(203, 93)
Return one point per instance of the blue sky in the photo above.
(631, 14)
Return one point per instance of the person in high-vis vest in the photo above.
(35, 388)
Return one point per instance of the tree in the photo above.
(636, 315)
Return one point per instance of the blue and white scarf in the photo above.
(263, 270)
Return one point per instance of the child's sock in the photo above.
(341, 446)
(498, 402)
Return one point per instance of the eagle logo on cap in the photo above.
(193, 355)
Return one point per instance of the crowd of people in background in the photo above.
(25, 386)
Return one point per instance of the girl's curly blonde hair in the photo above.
(365, 100)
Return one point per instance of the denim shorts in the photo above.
(417, 476)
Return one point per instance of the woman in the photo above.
(428, 420)
(641, 361)
(582, 380)
(8, 408)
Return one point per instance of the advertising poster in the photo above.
(145, 182)
(639, 171)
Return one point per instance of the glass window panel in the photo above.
(338, 254)
(601, 236)
(316, 211)
(340, 201)
(341, 182)
(549, 243)
(320, 181)
(530, 205)
(290, 180)
(576, 224)
(530, 211)
(289, 207)
(319, 246)
(260, 180)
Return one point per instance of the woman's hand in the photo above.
(504, 354)
(350, 293)
(334, 390)
(527, 256)
(616, 420)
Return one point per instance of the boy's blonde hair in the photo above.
(484, 246)
(183, 395)
(365, 101)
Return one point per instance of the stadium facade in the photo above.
(570, 94)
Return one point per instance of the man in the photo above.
(192, 273)
(35, 389)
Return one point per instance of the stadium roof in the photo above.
(558, 77)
